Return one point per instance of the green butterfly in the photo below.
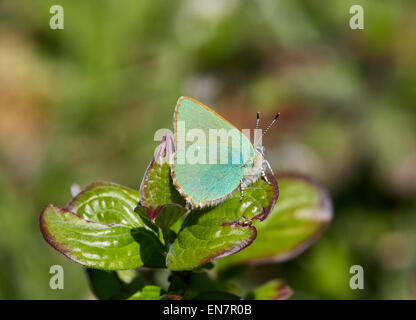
(207, 172)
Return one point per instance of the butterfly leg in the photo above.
(243, 185)
(269, 167)
(188, 206)
(263, 173)
(266, 164)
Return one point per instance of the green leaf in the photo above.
(167, 218)
(170, 217)
(107, 203)
(147, 293)
(146, 214)
(216, 232)
(104, 284)
(157, 188)
(200, 285)
(100, 246)
(113, 284)
(272, 290)
(302, 213)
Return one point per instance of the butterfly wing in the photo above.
(207, 184)
(213, 176)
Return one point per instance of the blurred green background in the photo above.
(83, 103)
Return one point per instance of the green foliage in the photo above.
(111, 228)
(222, 230)
(107, 203)
(114, 284)
(272, 290)
(94, 94)
(97, 245)
(147, 293)
(156, 188)
(303, 212)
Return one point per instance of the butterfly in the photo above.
(204, 170)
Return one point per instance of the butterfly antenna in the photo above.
(258, 120)
(271, 124)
